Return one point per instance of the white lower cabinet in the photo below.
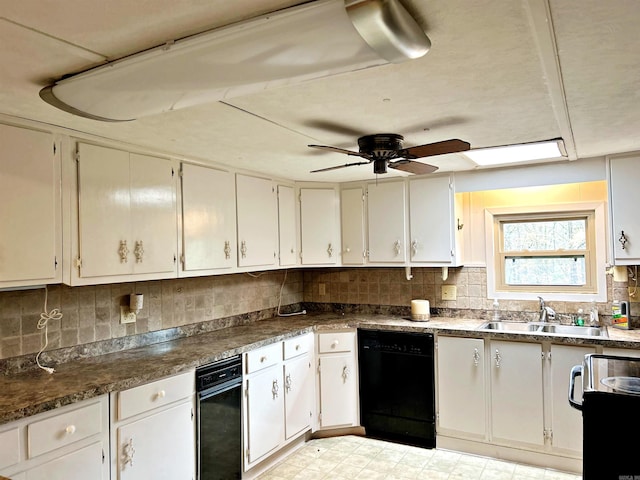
(153, 430)
(462, 404)
(517, 412)
(565, 431)
(278, 393)
(337, 380)
(68, 443)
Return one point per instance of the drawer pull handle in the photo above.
(274, 389)
(334, 344)
(70, 430)
(345, 374)
(263, 359)
(297, 347)
(161, 394)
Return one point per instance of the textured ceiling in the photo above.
(499, 72)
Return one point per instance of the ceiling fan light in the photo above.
(297, 44)
(523, 152)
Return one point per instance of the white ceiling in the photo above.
(498, 72)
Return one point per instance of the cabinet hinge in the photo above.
(77, 263)
(55, 263)
(182, 260)
(76, 156)
(300, 197)
(318, 365)
(320, 417)
(247, 453)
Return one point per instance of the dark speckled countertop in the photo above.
(29, 393)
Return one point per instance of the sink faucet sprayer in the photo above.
(546, 313)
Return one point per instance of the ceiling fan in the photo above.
(385, 150)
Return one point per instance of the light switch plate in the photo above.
(449, 292)
(126, 315)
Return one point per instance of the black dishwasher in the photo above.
(397, 399)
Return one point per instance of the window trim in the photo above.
(597, 265)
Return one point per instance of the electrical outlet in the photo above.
(126, 315)
(634, 295)
(322, 289)
(449, 292)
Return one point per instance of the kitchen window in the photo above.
(550, 252)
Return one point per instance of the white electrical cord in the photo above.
(45, 316)
(303, 312)
(634, 276)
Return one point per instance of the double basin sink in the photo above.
(551, 328)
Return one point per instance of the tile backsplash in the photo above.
(92, 313)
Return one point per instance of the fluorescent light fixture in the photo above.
(300, 43)
(522, 152)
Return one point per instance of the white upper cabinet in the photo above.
(386, 212)
(353, 234)
(208, 220)
(624, 178)
(287, 225)
(30, 208)
(257, 216)
(433, 222)
(126, 216)
(319, 226)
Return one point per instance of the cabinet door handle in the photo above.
(396, 247)
(227, 250)
(123, 251)
(243, 249)
(498, 358)
(345, 374)
(138, 251)
(287, 383)
(476, 357)
(274, 389)
(330, 251)
(128, 452)
(414, 248)
(623, 240)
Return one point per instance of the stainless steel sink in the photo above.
(510, 326)
(574, 330)
(550, 328)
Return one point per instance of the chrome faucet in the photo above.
(546, 312)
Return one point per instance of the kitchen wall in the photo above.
(92, 313)
(374, 289)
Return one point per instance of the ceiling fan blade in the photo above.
(334, 127)
(417, 168)
(339, 166)
(437, 148)
(340, 150)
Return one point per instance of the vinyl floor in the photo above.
(353, 457)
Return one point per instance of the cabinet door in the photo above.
(352, 208)
(287, 225)
(624, 179)
(104, 211)
(160, 446)
(153, 215)
(264, 413)
(208, 218)
(318, 226)
(298, 383)
(83, 464)
(257, 221)
(431, 217)
(386, 209)
(516, 392)
(338, 391)
(566, 422)
(30, 238)
(461, 385)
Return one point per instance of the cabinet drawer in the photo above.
(335, 342)
(9, 448)
(263, 357)
(63, 429)
(155, 394)
(297, 345)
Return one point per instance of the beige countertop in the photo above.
(29, 393)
